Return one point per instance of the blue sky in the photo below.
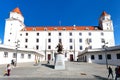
(69, 12)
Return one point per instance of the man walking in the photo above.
(110, 72)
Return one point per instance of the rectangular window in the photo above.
(89, 33)
(70, 33)
(20, 34)
(60, 34)
(29, 56)
(49, 47)
(108, 56)
(49, 34)
(100, 57)
(5, 54)
(80, 47)
(49, 40)
(70, 40)
(80, 40)
(102, 40)
(22, 56)
(80, 34)
(26, 40)
(102, 34)
(118, 56)
(60, 40)
(26, 46)
(92, 57)
(37, 34)
(14, 55)
(37, 40)
(90, 47)
(26, 34)
(71, 47)
(37, 47)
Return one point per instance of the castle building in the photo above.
(75, 39)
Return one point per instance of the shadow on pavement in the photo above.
(100, 77)
(48, 65)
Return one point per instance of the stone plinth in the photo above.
(60, 62)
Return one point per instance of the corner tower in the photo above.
(105, 22)
(13, 25)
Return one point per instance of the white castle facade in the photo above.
(75, 39)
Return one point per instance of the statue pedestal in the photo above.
(60, 62)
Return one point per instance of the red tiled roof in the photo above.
(17, 10)
(104, 13)
(53, 28)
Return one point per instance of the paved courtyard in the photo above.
(73, 71)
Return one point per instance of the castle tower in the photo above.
(13, 25)
(105, 22)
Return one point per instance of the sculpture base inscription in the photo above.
(60, 62)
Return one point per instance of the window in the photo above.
(89, 34)
(60, 40)
(37, 34)
(26, 46)
(80, 34)
(65, 54)
(5, 54)
(80, 40)
(49, 47)
(108, 56)
(14, 55)
(102, 33)
(100, 57)
(37, 47)
(37, 40)
(70, 34)
(118, 56)
(29, 56)
(90, 47)
(49, 34)
(22, 56)
(49, 40)
(60, 34)
(9, 40)
(89, 40)
(70, 40)
(26, 40)
(71, 47)
(26, 34)
(102, 40)
(92, 57)
(80, 47)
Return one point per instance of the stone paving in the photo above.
(44, 71)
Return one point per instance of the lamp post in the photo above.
(104, 46)
(17, 46)
(74, 49)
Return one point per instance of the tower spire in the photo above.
(17, 10)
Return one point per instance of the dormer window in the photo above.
(86, 28)
(55, 29)
(64, 28)
(24, 29)
(96, 28)
(34, 29)
(45, 29)
(74, 28)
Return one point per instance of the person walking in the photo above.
(117, 72)
(8, 69)
(110, 71)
